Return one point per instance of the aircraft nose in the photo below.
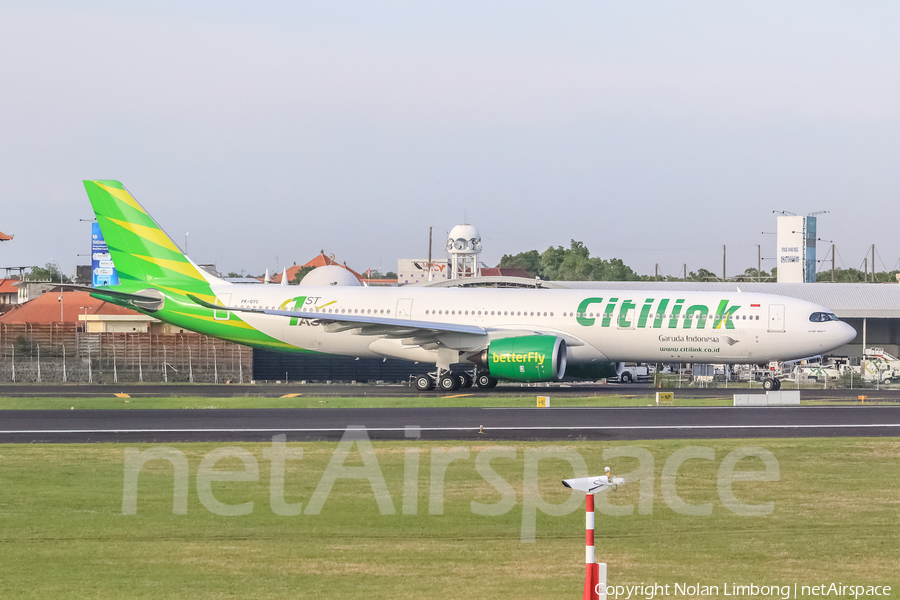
(845, 333)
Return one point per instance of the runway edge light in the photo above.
(595, 573)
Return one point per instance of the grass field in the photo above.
(455, 399)
(63, 533)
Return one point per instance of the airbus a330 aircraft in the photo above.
(480, 335)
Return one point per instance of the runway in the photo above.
(345, 390)
(557, 424)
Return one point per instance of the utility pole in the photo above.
(758, 263)
(430, 270)
(656, 276)
(832, 263)
(873, 263)
(723, 263)
(685, 271)
(866, 269)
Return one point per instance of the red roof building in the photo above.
(9, 293)
(319, 261)
(46, 309)
(4, 237)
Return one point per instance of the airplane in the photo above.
(478, 336)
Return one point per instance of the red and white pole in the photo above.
(592, 576)
(590, 582)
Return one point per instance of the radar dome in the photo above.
(464, 238)
(329, 275)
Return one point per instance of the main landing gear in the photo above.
(771, 384)
(450, 381)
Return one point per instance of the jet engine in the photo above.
(525, 358)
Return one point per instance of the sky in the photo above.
(261, 133)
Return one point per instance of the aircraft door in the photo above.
(222, 300)
(776, 317)
(404, 308)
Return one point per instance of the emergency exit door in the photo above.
(776, 317)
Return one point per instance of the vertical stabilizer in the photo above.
(140, 249)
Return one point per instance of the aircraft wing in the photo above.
(367, 325)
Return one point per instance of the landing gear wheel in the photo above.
(449, 382)
(424, 383)
(485, 381)
(770, 385)
(777, 384)
(465, 380)
(626, 377)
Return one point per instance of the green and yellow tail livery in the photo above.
(154, 274)
(142, 252)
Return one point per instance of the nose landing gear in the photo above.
(771, 384)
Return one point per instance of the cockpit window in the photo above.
(821, 317)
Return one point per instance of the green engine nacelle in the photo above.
(527, 358)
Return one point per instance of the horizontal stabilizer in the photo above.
(108, 293)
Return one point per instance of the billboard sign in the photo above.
(791, 249)
(103, 271)
(797, 250)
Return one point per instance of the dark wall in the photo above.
(881, 333)
(272, 366)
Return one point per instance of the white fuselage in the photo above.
(615, 325)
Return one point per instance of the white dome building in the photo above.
(329, 275)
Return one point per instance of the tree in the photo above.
(752, 274)
(551, 260)
(376, 274)
(702, 275)
(49, 272)
(300, 275)
(529, 261)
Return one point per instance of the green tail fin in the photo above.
(140, 249)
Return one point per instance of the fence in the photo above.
(58, 352)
